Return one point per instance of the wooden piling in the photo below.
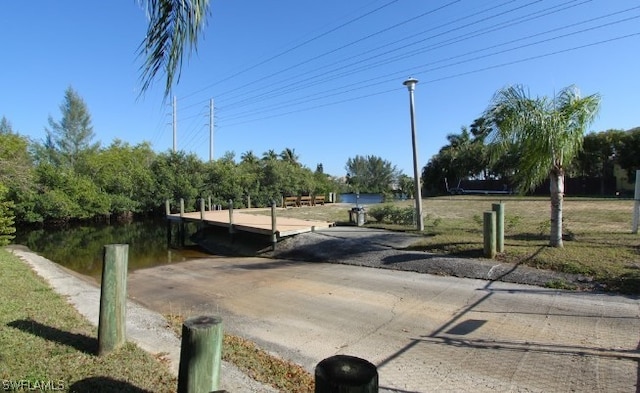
(169, 229)
(181, 226)
(200, 354)
(489, 229)
(274, 234)
(113, 298)
(167, 209)
(231, 230)
(201, 209)
(499, 209)
(346, 374)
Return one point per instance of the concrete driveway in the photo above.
(425, 333)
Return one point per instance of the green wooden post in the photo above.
(499, 209)
(274, 233)
(200, 354)
(113, 298)
(346, 374)
(489, 229)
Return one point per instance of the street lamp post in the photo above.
(411, 84)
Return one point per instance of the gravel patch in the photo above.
(385, 250)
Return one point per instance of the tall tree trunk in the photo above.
(556, 185)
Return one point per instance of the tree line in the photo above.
(68, 176)
(467, 155)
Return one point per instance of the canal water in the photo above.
(361, 199)
(81, 247)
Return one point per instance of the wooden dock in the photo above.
(255, 223)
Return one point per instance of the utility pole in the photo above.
(175, 125)
(211, 130)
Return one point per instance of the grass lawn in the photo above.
(45, 344)
(598, 240)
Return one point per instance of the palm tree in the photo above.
(248, 157)
(173, 25)
(548, 135)
(270, 155)
(289, 155)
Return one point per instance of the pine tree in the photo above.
(72, 137)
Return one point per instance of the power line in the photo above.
(244, 117)
(495, 66)
(294, 48)
(286, 89)
(413, 70)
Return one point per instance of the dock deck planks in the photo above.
(255, 223)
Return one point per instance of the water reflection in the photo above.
(81, 247)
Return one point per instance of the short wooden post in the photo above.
(200, 354)
(636, 205)
(231, 230)
(181, 207)
(489, 229)
(346, 374)
(282, 201)
(167, 207)
(274, 233)
(499, 209)
(113, 298)
(201, 209)
(248, 201)
(210, 204)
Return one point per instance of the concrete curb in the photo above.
(147, 329)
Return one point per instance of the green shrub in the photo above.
(382, 213)
(392, 214)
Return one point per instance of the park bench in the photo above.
(318, 200)
(291, 201)
(305, 200)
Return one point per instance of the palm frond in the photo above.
(174, 25)
(545, 133)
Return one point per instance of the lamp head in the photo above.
(410, 83)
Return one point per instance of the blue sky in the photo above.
(321, 77)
